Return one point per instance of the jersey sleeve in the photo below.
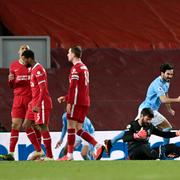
(41, 80)
(73, 89)
(160, 133)
(160, 90)
(11, 83)
(64, 128)
(128, 136)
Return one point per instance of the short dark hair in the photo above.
(147, 112)
(77, 50)
(166, 66)
(28, 54)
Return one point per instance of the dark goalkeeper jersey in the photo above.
(134, 127)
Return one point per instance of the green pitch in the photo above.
(90, 170)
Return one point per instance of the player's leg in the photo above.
(162, 123)
(143, 152)
(15, 128)
(63, 152)
(37, 130)
(42, 119)
(172, 151)
(109, 142)
(81, 112)
(46, 140)
(17, 114)
(71, 137)
(85, 149)
(28, 127)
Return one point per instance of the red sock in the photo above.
(86, 136)
(13, 139)
(32, 137)
(47, 143)
(71, 140)
(38, 135)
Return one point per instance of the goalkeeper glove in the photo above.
(142, 134)
(178, 133)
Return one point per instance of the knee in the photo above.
(84, 155)
(26, 125)
(16, 126)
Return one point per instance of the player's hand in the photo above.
(61, 99)
(171, 111)
(11, 77)
(178, 99)
(58, 144)
(35, 109)
(178, 133)
(68, 108)
(142, 134)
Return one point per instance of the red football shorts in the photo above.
(78, 113)
(20, 106)
(42, 117)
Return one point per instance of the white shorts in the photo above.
(158, 117)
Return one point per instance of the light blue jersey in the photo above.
(87, 126)
(157, 88)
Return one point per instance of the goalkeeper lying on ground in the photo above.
(137, 136)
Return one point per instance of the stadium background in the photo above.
(124, 44)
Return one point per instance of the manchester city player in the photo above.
(157, 93)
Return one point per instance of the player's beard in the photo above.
(28, 65)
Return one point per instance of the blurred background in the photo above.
(124, 42)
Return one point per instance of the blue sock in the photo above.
(86, 157)
(118, 137)
(166, 140)
(62, 153)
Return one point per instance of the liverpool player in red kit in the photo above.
(19, 81)
(78, 102)
(41, 104)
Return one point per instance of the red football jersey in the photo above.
(21, 83)
(39, 87)
(78, 92)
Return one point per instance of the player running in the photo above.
(157, 93)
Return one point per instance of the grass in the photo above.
(90, 170)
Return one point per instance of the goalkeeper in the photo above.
(137, 136)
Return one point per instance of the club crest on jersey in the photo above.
(38, 72)
(74, 71)
(160, 89)
(128, 126)
(32, 84)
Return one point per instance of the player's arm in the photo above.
(168, 106)
(72, 91)
(11, 77)
(64, 128)
(131, 133)
(164, 134)
(63, 131)
(42, 86)
(167, 100)
(89, 126)
(41, 95)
